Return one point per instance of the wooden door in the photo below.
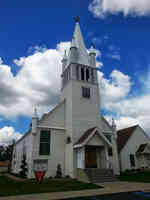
(90, 157)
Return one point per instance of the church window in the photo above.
(87, 74)
(132, 160)
(86, 92)
(82, 74)
(44, 142)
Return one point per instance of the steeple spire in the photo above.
(35, 115)
(78, 42)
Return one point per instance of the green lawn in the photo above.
(138, 177)
(12, 187)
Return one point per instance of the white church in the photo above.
(74, 134)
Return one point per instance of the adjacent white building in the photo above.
(74, 134)
(133, 148)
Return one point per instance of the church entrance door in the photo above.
(90, 157)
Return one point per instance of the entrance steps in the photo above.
(96, 175)
(100, 175)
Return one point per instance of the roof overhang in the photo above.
(99, 132)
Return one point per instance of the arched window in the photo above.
(82, 74)
(87, 74)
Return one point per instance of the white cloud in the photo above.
(1, 61)
(115, 88)
(7, 135)
(100, 8)
(37, 82)
(126, 109)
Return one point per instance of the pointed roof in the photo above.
(89, 134)
(78, 42)
(124, 135)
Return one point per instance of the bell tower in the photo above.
(80, 90)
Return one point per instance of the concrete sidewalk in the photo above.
(109, 188)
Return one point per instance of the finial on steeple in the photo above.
(35, 115)
(92, 50)
(92, 45)
(65, 55)
(77, 19)
(113, 124)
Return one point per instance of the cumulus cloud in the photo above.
(100, 8)
(115, 88)
(36, 83)
(116, 99)
(7, 135)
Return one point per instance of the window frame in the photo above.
(48, 143)
(86, 92)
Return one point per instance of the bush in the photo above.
(58, 172)
(24, 169)
(67, 176)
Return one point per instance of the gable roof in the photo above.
(85, 136)
(51, 111)
(124, 135)
(89, 134)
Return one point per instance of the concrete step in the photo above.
(100, 175)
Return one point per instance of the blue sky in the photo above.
(34, 33)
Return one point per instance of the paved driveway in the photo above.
(109, 188)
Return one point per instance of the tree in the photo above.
(24, 169)
(58, 172)
(2, 153)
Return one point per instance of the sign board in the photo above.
(39, 176)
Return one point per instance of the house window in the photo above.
(86, 92)
(132, 160)
(44, 142)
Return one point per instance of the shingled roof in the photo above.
(85, 136)
(124, 135)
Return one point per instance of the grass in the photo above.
(137, 177)
(10, 187)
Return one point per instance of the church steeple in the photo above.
(79, 65)
(82, 56)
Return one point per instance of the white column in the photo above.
(115, 156)
(90, 75)
(83, 158)
(107, 157)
